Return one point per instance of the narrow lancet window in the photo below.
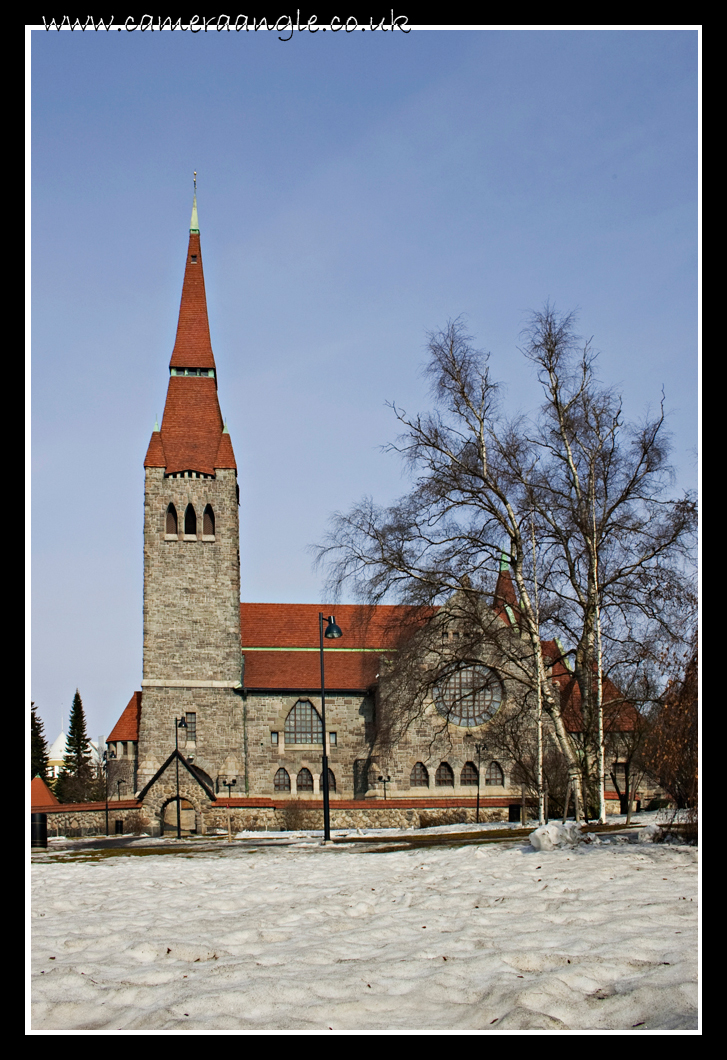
(190, 521)
(304, 780)
(171, 520)
(209, 522)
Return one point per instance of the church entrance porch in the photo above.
(187, 818)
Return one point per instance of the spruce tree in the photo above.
(77, 775)
(38, 747)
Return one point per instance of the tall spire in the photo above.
(192, 347)
(194, 223)
(190, 438)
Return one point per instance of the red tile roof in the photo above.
(619, 715)
(225, 456)
(505, 596)
(192, 426)
(296, 625)
(191, 437)
(41, 795)
(155, 453)
(192, 347)
(127, 727)
(351, 662)
(301, 670)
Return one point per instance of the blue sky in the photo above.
(354, 192)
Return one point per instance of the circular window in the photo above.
(469, 695)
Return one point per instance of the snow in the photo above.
(280, 933)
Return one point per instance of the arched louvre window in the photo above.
(190, 521)
(494, 775)
(282, 780)
(468, 774)
(208, 522)
(303, 724)
(444, 777)
(171, 519)
(331, 781)
(304, 780)
(419, 777)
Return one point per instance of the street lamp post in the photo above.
(385, 780)
(333, 632)
(229, 784)
(118, 789)
(107, 755)
(179, 723)
(479, 748)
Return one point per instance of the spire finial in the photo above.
(194, 223)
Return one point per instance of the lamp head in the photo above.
(333, 632)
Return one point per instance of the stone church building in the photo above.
(228, 715)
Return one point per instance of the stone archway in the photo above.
(187, 817)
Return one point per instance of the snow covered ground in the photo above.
(300, 937)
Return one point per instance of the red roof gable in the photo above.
(40, 794)
(127, 727)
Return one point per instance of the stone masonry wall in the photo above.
(192, 652)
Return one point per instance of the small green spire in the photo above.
(194, 223)
(504, 562)
(156, 423)
(224, 428)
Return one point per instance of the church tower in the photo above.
(192, 649)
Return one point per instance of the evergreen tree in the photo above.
(77, 776)
(38, 747)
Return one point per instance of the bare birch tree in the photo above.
(610, 541)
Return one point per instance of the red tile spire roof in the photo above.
(127, 727)
(506, 601)
(191, 435)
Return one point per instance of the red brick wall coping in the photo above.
(82, 807)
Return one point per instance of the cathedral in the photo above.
(228, 717)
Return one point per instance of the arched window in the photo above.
(208, 522)
(494, 775)
(419, 777)
(331, 781)
(444, 777)
(303, 724)
(468, 774)
(171, 519)
(282, 780)
(190, 521)
(304, 780)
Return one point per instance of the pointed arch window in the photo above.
(304, 780)
(494, 775)
(208, 522)
(303, 724)
(419, 777)
(190, 521)
(171, 529)
(444, 777)
(468, 776)
(331, 781)
(282, 780)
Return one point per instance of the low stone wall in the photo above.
(88, 822)
(87, 819)
(297, 815)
